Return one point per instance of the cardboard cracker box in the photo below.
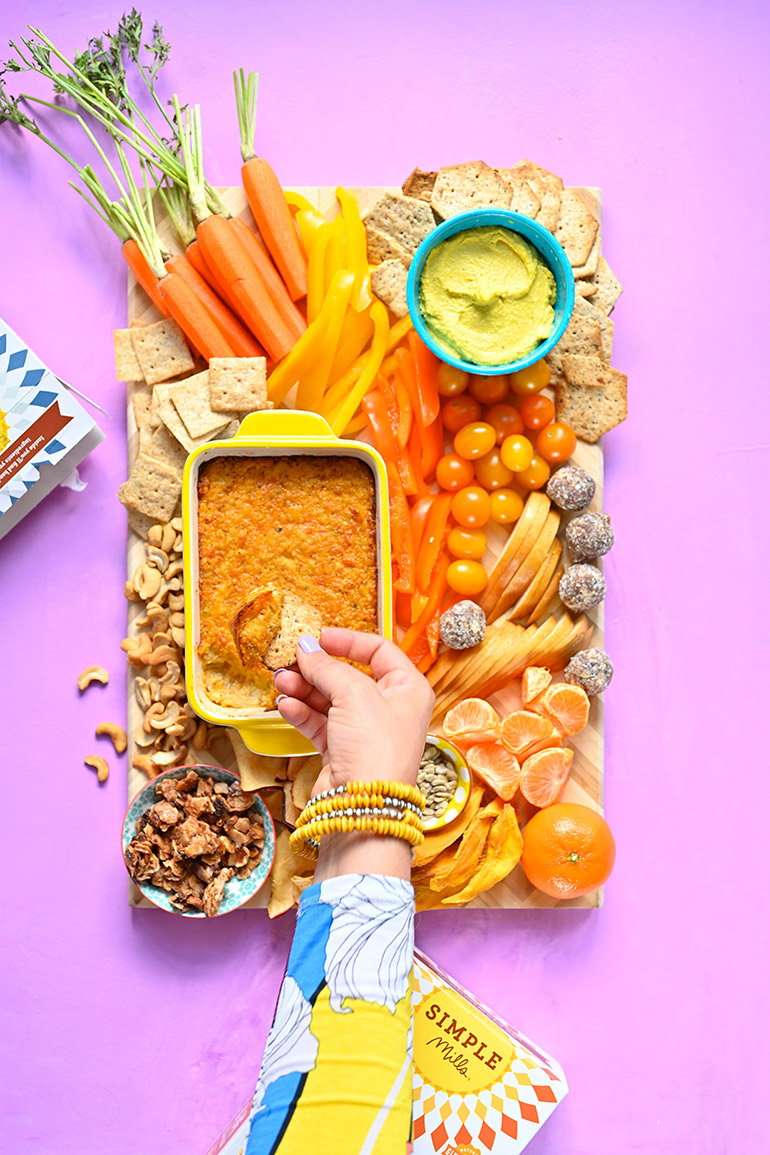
(44, 432)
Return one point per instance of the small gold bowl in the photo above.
(451, 754)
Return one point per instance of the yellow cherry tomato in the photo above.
(466, 577)
(531, 380)
(488, 390)
(516, 452)
(506, 506)
(475, 439)
(491, 472)
(451, 380)
(535, 475)
(470, 543)
(453, 472)
(470, 507)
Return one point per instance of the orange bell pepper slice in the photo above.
(427, 378)
(432, 608)
(402, 546)
(376, 412)
(433, 538)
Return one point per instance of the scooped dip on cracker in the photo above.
(487, 295)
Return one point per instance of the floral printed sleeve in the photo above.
(335, 1076)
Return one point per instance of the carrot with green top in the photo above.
(287, 310)
(236, 334)
(265, 195)
(137, 263)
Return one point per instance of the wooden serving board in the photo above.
(586, 781)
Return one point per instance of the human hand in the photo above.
(364, 728)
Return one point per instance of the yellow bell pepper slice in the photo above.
(313, 382)
(373, 361)
(356, 335)
(342, 386)
(356, 426)
(335, 251)
(295, 200)
(299, 362)
(308, 223)
(316, 269)
(355, 248)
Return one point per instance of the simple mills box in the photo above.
(44, 432)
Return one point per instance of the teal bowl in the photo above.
(237, 890)
(548, 248)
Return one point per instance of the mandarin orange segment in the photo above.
(471, 721)
(534, 680)
(565, 705)
(498, 767)
(544, 775)
(523, 733)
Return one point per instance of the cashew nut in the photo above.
(162, 654)
(168, 539)
(173, 673)
(142, 692)
(175, 567)
(157, 557)
(166, 758)
(175, 602)
(147, 581)
(93, 674)
(167, 718)
(144, 740)
(156, 710)
(130, 593)
(178, 543)
(99, 765)
(116, 733)
(155, 534)
(138, 650)
(144, 762)
(200, 736)
(176, 524)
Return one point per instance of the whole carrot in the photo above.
(193, 317)
(287, 310)
(137, 263)
(236, 334)
(265, 195)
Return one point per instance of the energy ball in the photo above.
(589, 535)
(463, 625)
(582, 587)
(591, 669)
(571, 487)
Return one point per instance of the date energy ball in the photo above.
(571, 487)
(591, 669)
(582, 587)
(463, 625)
(589, 535)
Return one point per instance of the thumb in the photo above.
(333, 678)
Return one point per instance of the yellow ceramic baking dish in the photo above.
(271, 433)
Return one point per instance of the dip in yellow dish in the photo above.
(487, 295)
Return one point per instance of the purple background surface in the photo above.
(128, 1032)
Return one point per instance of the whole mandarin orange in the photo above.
(568, 851)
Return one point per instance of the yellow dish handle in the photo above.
(284, 424)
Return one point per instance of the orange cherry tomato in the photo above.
(516, 452)
(467, 542)
(459, 411)
(489, 390)
(535, 475)
(491, 472)
(537, 411)
(466, 577)
(531, 380)
(471, 506)
(505, 420)
(451, 381)
(556, 442)
(453, 471)
(475, 439)
(506, 506)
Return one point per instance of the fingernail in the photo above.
(277, 672)
(280, 698)
(309, 645)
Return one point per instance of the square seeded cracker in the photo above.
(389, 284)
(583, 335)
(524, 199)
(576, 227)
(592, 410)
(192, 399)
(153, 488)
(127, 367)
(381, 247)
(297, 618)
(176, 426)
(163, 446)
(419, 184)
(405, 220)
(608, 287)
(161, 351)
(238, 384)
(474, 185)
(146, 423)
(547, 187)
(588, 309)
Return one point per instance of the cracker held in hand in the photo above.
(389, 284)
(461, 187)
(238, 384)
(268, 626)
(152, 489)
(161, 351)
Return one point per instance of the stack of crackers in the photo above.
(177, 407)
(590, 394)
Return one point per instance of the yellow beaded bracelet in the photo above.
(311, 832)
(360, 804)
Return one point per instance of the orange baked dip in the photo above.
(304, 523)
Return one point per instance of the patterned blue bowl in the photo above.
(238, 890)
(548, 248)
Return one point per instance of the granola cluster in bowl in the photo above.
(194, 843)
